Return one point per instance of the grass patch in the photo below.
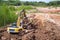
(7, 15)
(24, 7)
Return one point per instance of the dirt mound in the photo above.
(46, 29)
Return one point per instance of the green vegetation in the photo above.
(8, 10)
(54, 3)
(18, 3)
(24, 7)
(7, 15)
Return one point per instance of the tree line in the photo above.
(18, 3)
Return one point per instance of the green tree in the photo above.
(54, 3)
(13, 2)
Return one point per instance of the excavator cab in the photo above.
(14, 29)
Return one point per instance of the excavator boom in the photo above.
(21, 15)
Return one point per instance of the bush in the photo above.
(7, 15)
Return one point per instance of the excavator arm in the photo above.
(21, 15)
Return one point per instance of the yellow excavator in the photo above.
(17, 27)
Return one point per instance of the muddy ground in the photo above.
(46, 28)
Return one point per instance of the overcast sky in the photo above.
(37, 0)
